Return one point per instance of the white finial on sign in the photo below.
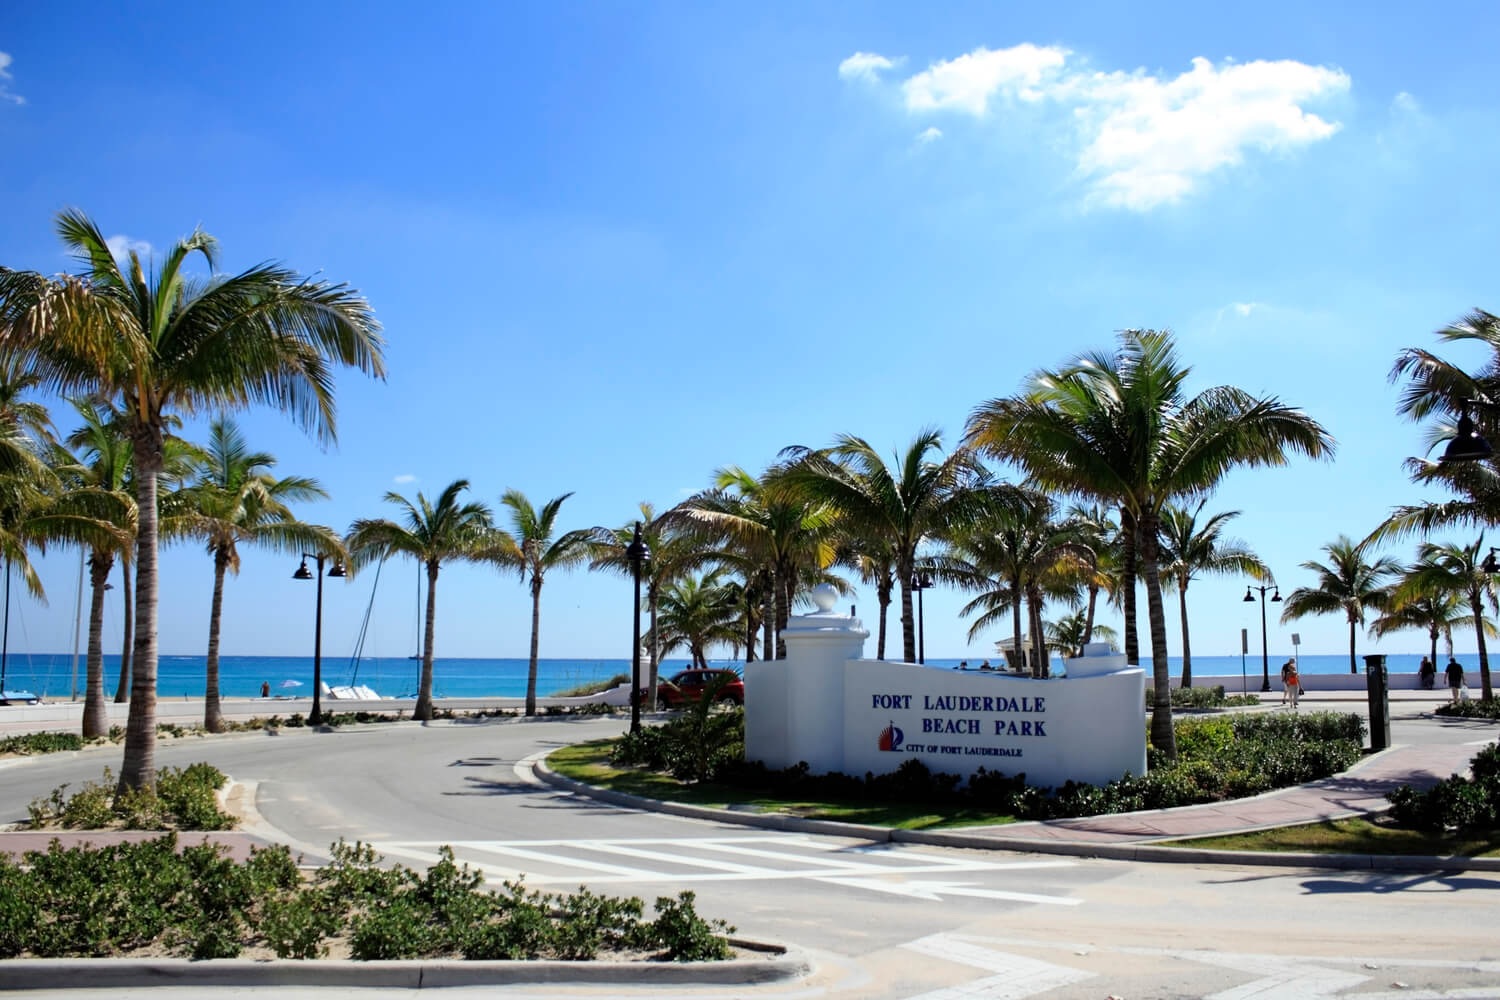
(824, 595)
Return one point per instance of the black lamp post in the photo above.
(637, 553)
(1265, 660)
(316, 715)
(919, 583)
(1467, 445)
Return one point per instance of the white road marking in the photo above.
(937, 890)
(1017, 976)
(701, 859)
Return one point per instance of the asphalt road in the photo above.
(880, 920)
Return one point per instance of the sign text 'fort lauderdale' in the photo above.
(971, 715)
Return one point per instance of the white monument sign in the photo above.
(827, 706)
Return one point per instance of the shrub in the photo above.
(1474, 708)
(1457, 803)
(32, 743)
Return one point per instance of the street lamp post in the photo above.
(1265, 660)
(637, 553)
(316, 715)
(919, 583)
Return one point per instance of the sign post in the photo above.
(1244, 648)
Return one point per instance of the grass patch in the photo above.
(592, 687)
(1352, 836)
(589, 763)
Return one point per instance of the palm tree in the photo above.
(871, 557)
(431, 533)
(672, 553)
(533, 546)
(1099, 532)
(1119, 429)
(1011, 557)
(1450, 568)
(697, 613)
(1347, 585)
(1190, 550)
(897, 504)
(766, 528)
(105, 463)
(177, 344)
(1068, 634)
(1416, 605)
(234, 500)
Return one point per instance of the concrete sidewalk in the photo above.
(1357, 792)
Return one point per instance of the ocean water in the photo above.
(51, 674)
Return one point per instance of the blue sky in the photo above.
(617, 247)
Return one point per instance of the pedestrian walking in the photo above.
(1291, 683)
(1455, 674)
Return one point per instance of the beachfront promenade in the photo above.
(878, 919)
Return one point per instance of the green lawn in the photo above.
(1351, 836)
(589, 762)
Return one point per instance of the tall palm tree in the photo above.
(173, 343)
(1347, 584)
(900, 504)
(1098, 531)
(871, 557)
(1119, 428)
(1450, 568)
(672, 554)
(1016, 557)
(431, 533)
(1416, 604)
(105, 463)
(1068, 632)
(768, 528)
(1190, 550)
(533, 547)
(697, 613)
(234, 500)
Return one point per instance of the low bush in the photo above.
(198, 902)
(1474, 708)
(1457, 803)
(30, 743)
(183, 800)
(702, 743)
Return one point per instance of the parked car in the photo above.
(687, 686)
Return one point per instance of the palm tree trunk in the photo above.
(536, 627)
(908, 623)
(883, 598)
(1486, 692)
(1127, 585)
(1352, 668)
(213, 716)
(1088, 623)
(751, 626)
(138, 768)
(768, 617)
(655, 645)
(1038, 641)
(1433, 634)
(1015, 616)
(423, 711)
(122, 690)
(1162, 735)
(787, 580)
(1187, 656)
(95, 708)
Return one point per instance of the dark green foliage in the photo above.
(197, 902)
(700, 744)
(30, 743)
(182, 800)
(686, 937)
(1458, 803)
(1474, 708)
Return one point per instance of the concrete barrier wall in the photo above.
(1310, 682)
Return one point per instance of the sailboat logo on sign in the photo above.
(891, 738)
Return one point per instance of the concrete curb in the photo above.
(117, 973)
(1073, 848)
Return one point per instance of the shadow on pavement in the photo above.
(1382, 884)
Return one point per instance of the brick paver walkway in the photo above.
(1361, 789)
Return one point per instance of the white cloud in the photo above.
(5, 77)
(865, 66)
(1405, 102)
(968, 82)
(1243, 309)
(405, 477)
(1143, 140)
(929, 135)
(121, 245)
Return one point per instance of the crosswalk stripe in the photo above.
(1016, 976)
(676, 859)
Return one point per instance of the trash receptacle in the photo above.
(1380, 707)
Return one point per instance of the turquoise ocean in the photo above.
(52, 675)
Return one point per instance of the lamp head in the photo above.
(338, 569)
(302, 571)
(1248, 598)
(926, 580)
(637, 551)
(1466, 445)
(1276, 597)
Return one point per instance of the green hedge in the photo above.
(1457, 803)
(182, 799)
(197, 902)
